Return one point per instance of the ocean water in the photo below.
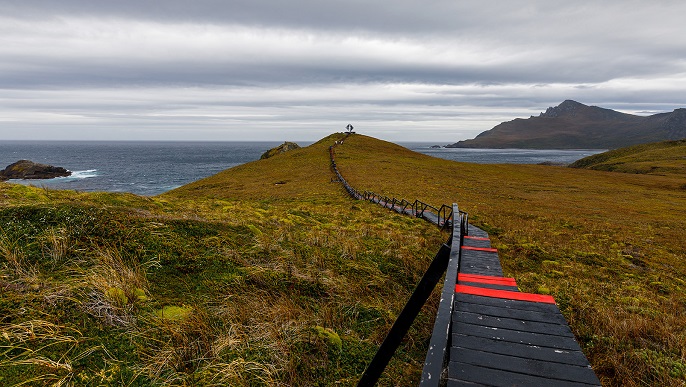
(144, 168)
(151, 168)
(503, 156)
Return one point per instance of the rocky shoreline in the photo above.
(27, 169)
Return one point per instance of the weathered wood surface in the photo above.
(501, 341)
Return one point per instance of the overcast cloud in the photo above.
(298, 70)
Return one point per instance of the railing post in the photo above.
(406, 318)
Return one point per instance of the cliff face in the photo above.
(573, 125)
(26, 169)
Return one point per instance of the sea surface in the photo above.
(151, 168)
(143, 168)
(504, 156)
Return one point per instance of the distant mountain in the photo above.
(573, 125)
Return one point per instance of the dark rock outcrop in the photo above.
(26, 169)
(285, 147)
(573, 125)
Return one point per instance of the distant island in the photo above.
(27, 169)
(573, 125)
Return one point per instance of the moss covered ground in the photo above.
(267, 274)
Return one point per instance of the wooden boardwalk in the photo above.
(487, 332)
(502, 337)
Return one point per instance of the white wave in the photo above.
(84, 174)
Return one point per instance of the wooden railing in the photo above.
(447, 260)
(441, 340)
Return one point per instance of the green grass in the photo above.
(296, 284)
(257, 291)
(660, 158)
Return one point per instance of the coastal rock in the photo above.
(285, 147)
(27, 169)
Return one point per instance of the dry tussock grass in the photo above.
(200, 349)
(31, 344)
(115, 288)
(16, 266)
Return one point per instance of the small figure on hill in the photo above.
(350, 129)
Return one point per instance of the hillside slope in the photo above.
(572, 125)
(268, 274)
(299, 173)
(662, 158)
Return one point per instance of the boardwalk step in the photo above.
(491, 286)
(514, 336)
(498, 377)
(512, 323)
(504, 294)
(520, 350)
(527, 315)
(486, 249)
(486, 279)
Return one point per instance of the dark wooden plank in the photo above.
(477, 243)
(513, 324)
(491, 286)
(529, 338)
(520, 350)
(552, 318)
(533, 367)
(491, 377)
(505, 303)
(481, 256)
(472, 263)
(482, 271)
(477, 232)
(462, 383)
(430, 216)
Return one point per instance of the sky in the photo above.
(234, 70)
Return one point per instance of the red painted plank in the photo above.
(488, 249)
(493, 293)
(486, 279)
(474, 238)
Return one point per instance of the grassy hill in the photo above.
(661, 158)
(268, 274)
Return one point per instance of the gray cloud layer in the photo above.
(436, 70)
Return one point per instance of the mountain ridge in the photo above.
(573, 125)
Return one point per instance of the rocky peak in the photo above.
(568, 107)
